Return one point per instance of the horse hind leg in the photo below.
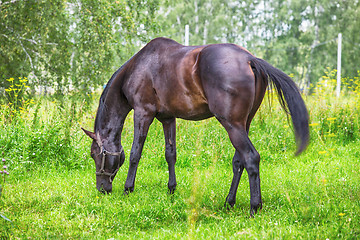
(233, 96)
(246, 157)
(252, 168)
(169, 127)
(238, 168)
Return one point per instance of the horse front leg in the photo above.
(169, 127)
(142, 122)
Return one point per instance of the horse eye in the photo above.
(92, 155)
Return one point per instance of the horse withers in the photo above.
(166, 80)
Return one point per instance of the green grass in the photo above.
(50, 192)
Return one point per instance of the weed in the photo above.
(17, 98)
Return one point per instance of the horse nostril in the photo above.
(104, 188)
(101, 189)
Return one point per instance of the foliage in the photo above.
(42, 137)
(34, 40)
(74, 44)
(17, 98)
(337, 118)
(352, 84)
(228, 20)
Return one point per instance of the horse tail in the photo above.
(289, 98)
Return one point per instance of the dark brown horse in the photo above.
(166, 80)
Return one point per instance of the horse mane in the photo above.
(102, 105)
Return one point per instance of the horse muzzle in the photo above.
(104, 186)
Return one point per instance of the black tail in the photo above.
(289, 97)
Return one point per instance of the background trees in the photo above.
(70, 44)
(297, 36)
(77, 44)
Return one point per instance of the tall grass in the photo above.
(51, 193)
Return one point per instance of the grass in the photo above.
(50, 192)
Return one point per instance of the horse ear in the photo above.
(90, 134)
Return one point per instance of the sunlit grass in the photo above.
(51, 192)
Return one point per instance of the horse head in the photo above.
(107, 163)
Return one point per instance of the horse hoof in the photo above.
(228, 205)
(127, 191)
(171, 191)
(254, 209)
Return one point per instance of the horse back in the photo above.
(172, 80)
(162, 76)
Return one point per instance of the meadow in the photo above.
(50, 190)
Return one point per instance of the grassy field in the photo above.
(50, 191)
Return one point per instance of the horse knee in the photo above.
(256, 157)
(170, 154)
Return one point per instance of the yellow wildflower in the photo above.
(331, 135)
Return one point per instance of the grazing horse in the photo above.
(166, 80)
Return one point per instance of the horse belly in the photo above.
(185, 107)
(194, 110)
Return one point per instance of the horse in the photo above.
(166, 80)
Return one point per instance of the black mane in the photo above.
(102, 105)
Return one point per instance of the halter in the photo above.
(104, 152)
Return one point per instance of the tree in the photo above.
(211, 21)
(301, 36)
(71, 44)
(33, 36)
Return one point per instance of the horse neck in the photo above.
(109, 122)
(113, 109)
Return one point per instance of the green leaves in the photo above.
(61, 45)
